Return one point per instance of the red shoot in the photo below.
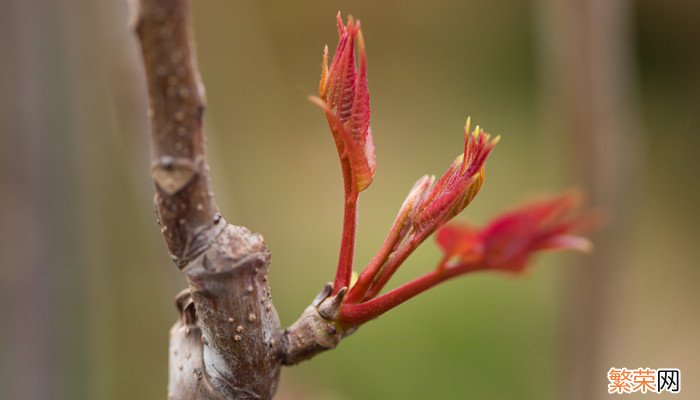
(430, 209)
(458, 186)
(344, 98)
(506, 244)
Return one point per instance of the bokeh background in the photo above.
(599, 94)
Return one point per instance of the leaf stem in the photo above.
(358, 291)
(357, 314)
(347, 243)
(393, 263)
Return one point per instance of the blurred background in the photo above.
(599, 94)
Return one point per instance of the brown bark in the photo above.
(228, 343)
(229, 347)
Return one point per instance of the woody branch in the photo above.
(227, 341)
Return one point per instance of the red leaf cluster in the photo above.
(506, 244)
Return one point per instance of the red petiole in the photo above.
(357, 314)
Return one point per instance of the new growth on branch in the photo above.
(228, 342)
(505, 244)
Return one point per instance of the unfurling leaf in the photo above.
(508, 242)
(459, 185)
(344, 97)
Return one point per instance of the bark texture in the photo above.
(228, 343)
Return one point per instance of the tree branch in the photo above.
(228, 341)
(187, 213)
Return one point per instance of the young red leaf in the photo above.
(458, 186)
(344, 97)
(508, 242)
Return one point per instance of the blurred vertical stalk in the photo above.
(25, 289)
(587, 76)
(40, 284)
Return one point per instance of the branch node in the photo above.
(316, 329)
(330, 307)
(172, 174)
